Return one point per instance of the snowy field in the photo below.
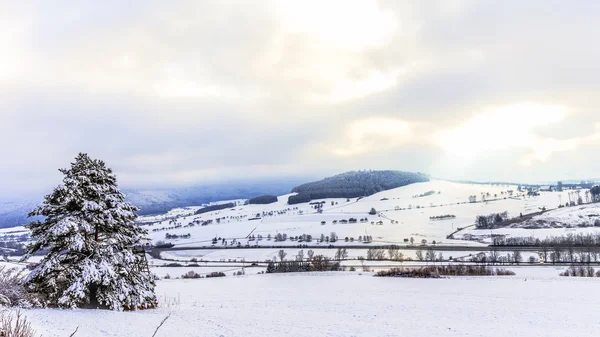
(397, 218)
(13, 230)
(536, 302)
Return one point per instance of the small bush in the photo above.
(167, 277)
(173, 265)
(191, 275)
(215, 274)
(352, 269)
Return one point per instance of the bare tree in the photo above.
(400, 256)
(393, 252)
(310, 254)
(430, 255)
(300, 256)
(282, 254)
(338, 254)
(419, 253)
(545, 252)
(517, 257)
(494, 256)
(558, 255)
(571, 254)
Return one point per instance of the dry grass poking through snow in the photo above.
(15, 325)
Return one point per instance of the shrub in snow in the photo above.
(191, 274)
(449, 270)
(323, 263)
(288, 267)
(90, 234)
(12, 292)
(155, 253)
(215, 274)
(580, 271)
(413, 273)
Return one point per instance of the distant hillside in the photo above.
(161, 200)
(354, 184)
(14, 212)
(158, 201)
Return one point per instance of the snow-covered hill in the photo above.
(399, 216)
(566, 217)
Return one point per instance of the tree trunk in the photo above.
(94, 304)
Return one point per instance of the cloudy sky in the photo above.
(182, 92)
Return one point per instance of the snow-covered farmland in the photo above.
(535, 302)
(399, 216)
(578, 216)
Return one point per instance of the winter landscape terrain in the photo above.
(299, 168)
(241, 239)
(350, 304)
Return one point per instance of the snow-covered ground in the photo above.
(397, 219)
(576, 216)
(13, 230)
(536, 302)
(397, 213)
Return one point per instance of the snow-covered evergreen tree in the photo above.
(90, 234)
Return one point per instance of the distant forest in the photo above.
(263, 200)
(215, 208)
(354, 184)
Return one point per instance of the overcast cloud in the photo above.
(181, 92)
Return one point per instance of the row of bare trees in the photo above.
(315, 263)
(569, 240)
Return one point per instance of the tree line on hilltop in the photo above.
(263, 200)
(354, 184)
(212, 208)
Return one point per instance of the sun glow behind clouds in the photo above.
(503, 128)
(351, 25)
(372, 134)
